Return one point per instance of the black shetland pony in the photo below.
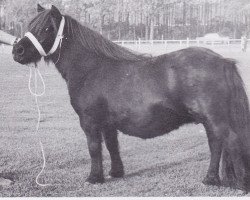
(112, 88)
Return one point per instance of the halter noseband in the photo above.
(58, 40)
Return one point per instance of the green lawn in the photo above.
(171, 165)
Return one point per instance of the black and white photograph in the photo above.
(124, 98)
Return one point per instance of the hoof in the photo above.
(241, 186)
(234, 184)
(87, 184)
(94, 180)
(116, 174)
(215, 180)
(225, 182)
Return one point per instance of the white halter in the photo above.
(58, 39)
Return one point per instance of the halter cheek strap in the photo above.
(58, 39)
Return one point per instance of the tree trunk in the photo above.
(146, 32)
(146, 29)
(184, 14)
(151, 36)
(102, 22)
(119, 31)
(134, 33)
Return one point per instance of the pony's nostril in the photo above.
(20, 50)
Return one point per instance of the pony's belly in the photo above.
(153, 125)
(146, 131)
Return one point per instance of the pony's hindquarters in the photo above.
(236, 150)
(212, 91)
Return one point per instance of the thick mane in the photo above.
(96, 43)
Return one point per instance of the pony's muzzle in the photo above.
(19, 50)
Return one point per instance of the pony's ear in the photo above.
(40, 8)
(55, 12)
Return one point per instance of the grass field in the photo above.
(171, 165)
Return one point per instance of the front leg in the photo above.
(111, 141)
(94, 140)
(95, 151)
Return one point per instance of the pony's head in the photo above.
(40, 38)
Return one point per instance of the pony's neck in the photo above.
(73, 61)
(84, 50)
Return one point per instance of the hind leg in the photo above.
(215, 134)
(111, 141)
(215, 122)
(234, 171)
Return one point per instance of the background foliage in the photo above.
(145, 19)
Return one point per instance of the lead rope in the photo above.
(60, 47)
(36, 95)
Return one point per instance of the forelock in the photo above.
(38, 23)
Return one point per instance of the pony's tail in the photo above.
(239, 110)
(239, 104)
